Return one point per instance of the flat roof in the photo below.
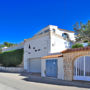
(66, 30)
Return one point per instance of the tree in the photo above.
(82, 32)
(7, 44)
(1, 46)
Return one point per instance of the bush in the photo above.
(0, 58)
(78, 45)
(85, 41)
(0, 51)
(89, 44)
(11, 58)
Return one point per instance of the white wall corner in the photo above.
(51, 27)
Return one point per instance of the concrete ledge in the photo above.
(11, 69)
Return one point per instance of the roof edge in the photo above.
(52, 56)
(66, 30)
(76, 49)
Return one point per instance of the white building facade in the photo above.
(49, 40)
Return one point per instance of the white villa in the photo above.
(50, 40)
(49, 53)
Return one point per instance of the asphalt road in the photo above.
(13, 81)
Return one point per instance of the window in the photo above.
(29, 53)
(29, 46)
(46, 31)
(40, 33)
(38, 49)
(33, 47)
(82, 66)
(44, 47)
(35, 50)
(54, 30)
(65, 36)
(53, 44)
(87, 65)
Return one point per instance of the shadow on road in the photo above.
(29, 77)
(38, 79)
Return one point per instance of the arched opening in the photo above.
(82, 68)
(65, 36)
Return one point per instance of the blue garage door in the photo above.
(51, 68)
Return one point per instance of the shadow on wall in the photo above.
(37, 79)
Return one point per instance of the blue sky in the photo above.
(21, 19)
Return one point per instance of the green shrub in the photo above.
(0, 58)
(11, 58)
(89, 44)
(0, 51)
(78, 45)
(85, 41)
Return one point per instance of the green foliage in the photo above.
(1, 46)
(1, 58)
(78, 45)
(89, 44)
(11, 58)
(82, 31)
(0, 50)
(85, 41)
(7, 44)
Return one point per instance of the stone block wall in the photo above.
(69, 58)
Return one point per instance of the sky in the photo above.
(21, 19)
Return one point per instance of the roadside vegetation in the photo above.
(7, 44)
(78, 45)
(82, 34)
(11, 58)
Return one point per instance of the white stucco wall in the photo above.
(43, 67)
(40, 43)
(58, 44)
(49, 27)
(46, 43)
(60, 69)
(71, 34)
(25, 61)
(60, 74)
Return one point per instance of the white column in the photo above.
(76, 67)
(84, 65)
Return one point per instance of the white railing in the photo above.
(11, 69)
(19, 46)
